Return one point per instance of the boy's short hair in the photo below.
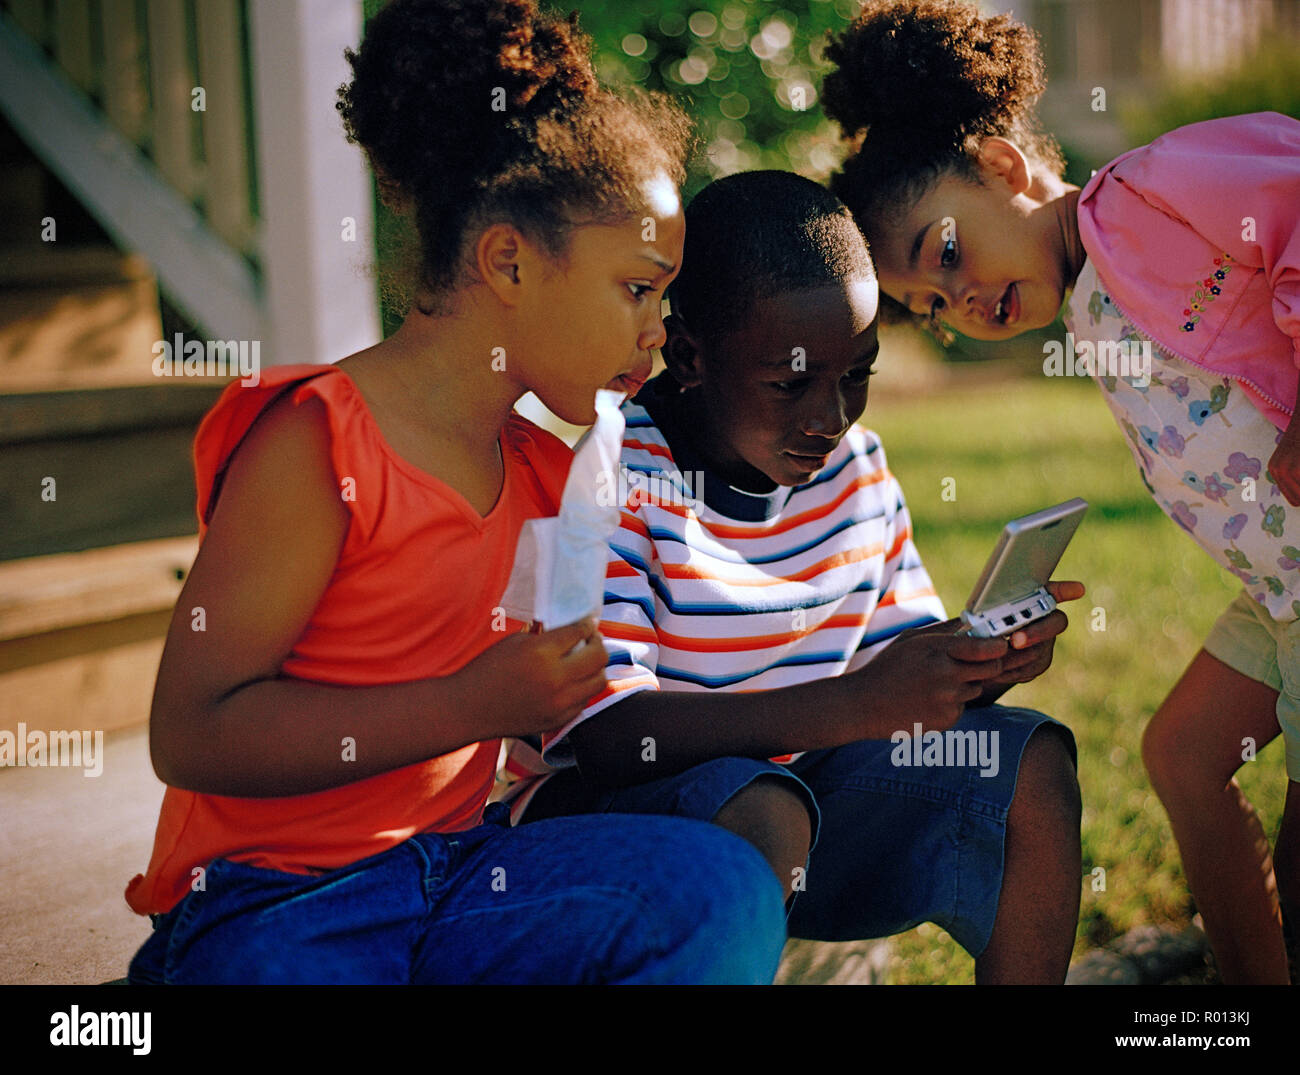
(756, 233)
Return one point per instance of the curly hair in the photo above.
(480, 111)
(917, 86)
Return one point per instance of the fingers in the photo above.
(1066, 591)
(1284, 469)
(564, 639)
(980, 665)
(581, 655)
(587, 660)
(1039, 631)
(1028, 664)
(976, 650)
(590, 687)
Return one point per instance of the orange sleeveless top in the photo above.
(412, 597)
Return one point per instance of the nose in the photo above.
(968, 303)
(827, 418)
(654, 335)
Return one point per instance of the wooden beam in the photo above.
(172, 81)
(126, 100)
(226, 191)
(51, 593)
(54, 416)
(72, 42)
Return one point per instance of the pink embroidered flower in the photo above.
(1207, 292)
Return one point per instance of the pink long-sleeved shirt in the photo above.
(1197, 238)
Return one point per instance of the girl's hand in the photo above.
(538, 682)
(1284, 465)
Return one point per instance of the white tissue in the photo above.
(558, 575)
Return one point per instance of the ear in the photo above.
(683, 355)
(1004, 160)
(499, 254)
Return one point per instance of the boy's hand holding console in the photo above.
(1004, 636)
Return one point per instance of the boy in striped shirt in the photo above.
(778, 658)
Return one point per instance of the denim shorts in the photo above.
(568, 901)
(902, 835)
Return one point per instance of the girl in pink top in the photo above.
(1181, 261)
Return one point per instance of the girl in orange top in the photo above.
(338, 674)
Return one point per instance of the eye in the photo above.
(948, 253)
(639, 291)
(789, 387)
(859, 376)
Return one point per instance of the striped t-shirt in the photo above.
(712, 588)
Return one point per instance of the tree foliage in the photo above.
(749, 71)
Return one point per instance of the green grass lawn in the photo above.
(1013, 448)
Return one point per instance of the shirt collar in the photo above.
(717, 495)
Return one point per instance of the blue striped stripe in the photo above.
(679, 675)
(744, 607)
(719, 552)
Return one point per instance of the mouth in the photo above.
(807, 461)
(1007, 310)
(631, 381)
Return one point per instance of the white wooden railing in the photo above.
(203, 134)
(173, 77)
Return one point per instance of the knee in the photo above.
(697, 906)
(1159, 753)
(735, 916)
(773, 818)
(1047, 786)
(1176, 770)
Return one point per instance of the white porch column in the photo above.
(321, 300)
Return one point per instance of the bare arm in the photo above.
(928, 671)
(927, 675)
(225, 722)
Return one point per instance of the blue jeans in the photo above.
(895, 843)
(574, 900)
